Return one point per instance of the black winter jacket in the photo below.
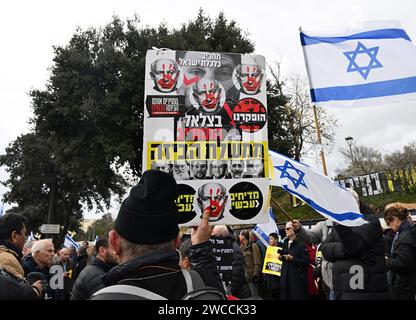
(352, 249)
(160, 272)
(81, 264)
(402, 264)
(294, 277)
(388, 240)
(13, 288)
(89, 280)
(238, 286)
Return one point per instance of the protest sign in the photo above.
(205, 122)
(223, 252)
(272, 263)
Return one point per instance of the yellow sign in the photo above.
(272, 263)
(206, 150)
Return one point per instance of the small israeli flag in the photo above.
(1, 208)
(69, 242)
(31, 237)
(372, 65)
(320, 192)
(262, 230)
(95, 240)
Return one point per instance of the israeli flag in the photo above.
(31, 237)
(373, 65)
(324, 195)
(69, 242)
(1, 208)
(95, 240)
(262, 230)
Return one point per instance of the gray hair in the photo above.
(40, 246)
(220, 230)
(29, 244)
(133, 250)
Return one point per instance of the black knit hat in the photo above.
(149, 214)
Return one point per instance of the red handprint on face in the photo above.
(216, 202)
(212, 198)
(211, 96)
(252, 82)
(169, 77)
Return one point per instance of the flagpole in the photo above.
(315, 113)
(283, 210)
(318, 134)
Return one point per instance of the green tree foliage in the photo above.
(279, 117)
(100, 227)
(29, 161)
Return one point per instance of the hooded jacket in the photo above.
(10, 256)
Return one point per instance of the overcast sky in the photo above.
(29, 29)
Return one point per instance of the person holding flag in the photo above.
(358, 238)
(357, 255)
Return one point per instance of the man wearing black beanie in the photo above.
(145, 239)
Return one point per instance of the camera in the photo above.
(32, 277)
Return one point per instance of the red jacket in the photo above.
(312, 288)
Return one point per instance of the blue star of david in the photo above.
(363, 70)
(285, 174)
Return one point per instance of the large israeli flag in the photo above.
(320, 192)
(262, 230)
(373, 65)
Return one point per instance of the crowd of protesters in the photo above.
(145, 251)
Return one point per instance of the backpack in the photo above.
(195, 286)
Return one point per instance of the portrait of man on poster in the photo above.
(165, 75)
(249, 77)
(212, 196)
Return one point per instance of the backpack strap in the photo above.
(125, 292)
(193, 280)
